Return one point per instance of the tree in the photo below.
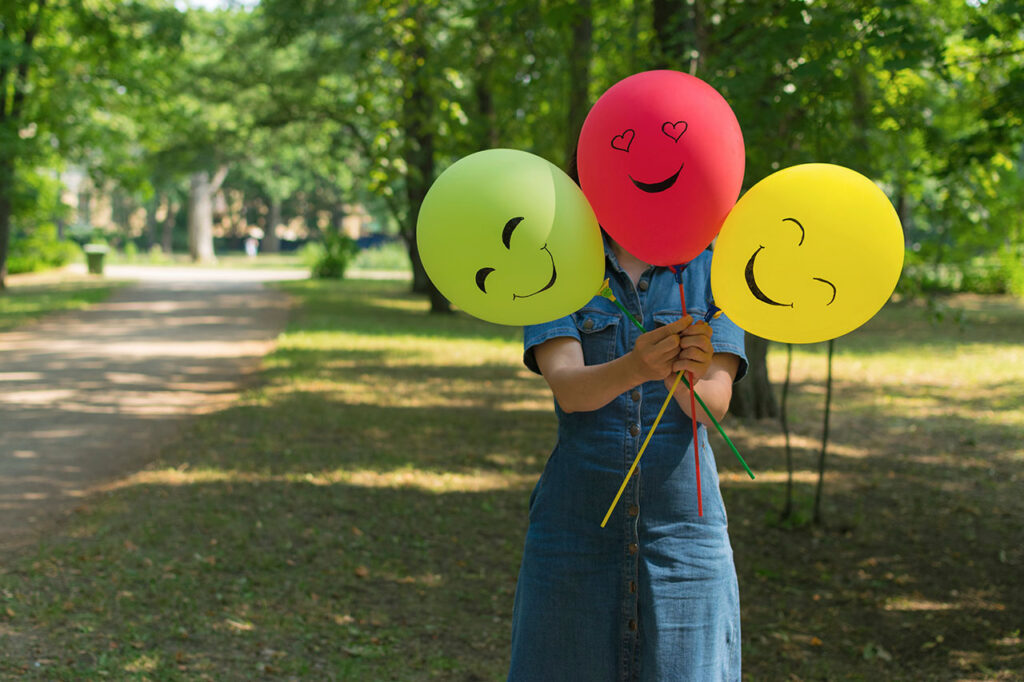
(59, 60)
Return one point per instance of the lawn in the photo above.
(21, 303)
(360, 516)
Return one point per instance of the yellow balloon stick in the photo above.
(606, 292)
(642, 448)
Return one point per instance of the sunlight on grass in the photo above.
(144, 663)
(406, 478)
(917, 604)
(22, 303)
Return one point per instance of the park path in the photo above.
(90, 396)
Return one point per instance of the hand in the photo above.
(656, 351)
(695, 352)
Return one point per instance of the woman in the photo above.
(653, 595)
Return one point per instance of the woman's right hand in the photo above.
(655, 351)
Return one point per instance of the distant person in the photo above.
(252, 246)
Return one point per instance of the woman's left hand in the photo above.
(695, 353)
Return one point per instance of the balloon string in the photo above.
(606, 292)
(642, 448)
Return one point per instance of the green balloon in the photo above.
(509, 238)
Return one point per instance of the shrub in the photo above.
(998, 273)
(38, 248)
(334, 256)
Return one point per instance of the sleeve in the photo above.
(726, 337)
(536, 334)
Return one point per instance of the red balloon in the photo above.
(660, 159)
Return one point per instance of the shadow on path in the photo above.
(88, 396)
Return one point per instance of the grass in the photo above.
(361, 514)
(21, 303)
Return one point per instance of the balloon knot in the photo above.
(606, 291)
(713, 313)
(677, 272)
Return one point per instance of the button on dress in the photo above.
(653, 595)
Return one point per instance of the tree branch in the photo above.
(218, 179)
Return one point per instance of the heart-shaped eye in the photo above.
(674, 130)
(623, 141)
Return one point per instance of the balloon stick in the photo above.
(677, 272)
(606, 292)
(642, 448)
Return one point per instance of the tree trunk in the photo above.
(486, 115)
(151, 210)
(167, 240)
(200, 214)
(200, 218)
(754, 397)
(680, 35)
(417, 119)
(6, 189)
(580, 49)
(271, 244)
(84, 208)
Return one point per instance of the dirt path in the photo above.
(90, 396)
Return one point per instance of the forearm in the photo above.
(590, 387)
(716, 394)
(714, 388)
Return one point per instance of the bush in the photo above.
(999, 273)
(389, 255)
(37, 249)
(332, 258)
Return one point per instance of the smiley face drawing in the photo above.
(660, 158)
(808, 254)
(509, 238)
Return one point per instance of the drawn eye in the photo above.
(481, 277)
(825, 281)
(674, 130)
(506, 234)
(623, 141)
(797, 223)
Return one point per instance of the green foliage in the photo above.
(390, 256)
(333, 256)
(38, 248)
(320, 105)
(998, 273)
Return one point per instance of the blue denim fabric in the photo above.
(652, 596)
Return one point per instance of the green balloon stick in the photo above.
(606, 292)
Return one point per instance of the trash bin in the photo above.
(94, 254)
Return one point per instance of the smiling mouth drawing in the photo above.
(761, 296)
(550, 283)
(655, 187)
(752, 284)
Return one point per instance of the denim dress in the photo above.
(653, 595)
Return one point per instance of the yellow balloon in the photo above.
(807, 254)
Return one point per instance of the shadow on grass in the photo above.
(323, 435)
(384, 308)
(240, 579)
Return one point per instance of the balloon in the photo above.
(509, 238)
(808, 254)
(660, 158)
